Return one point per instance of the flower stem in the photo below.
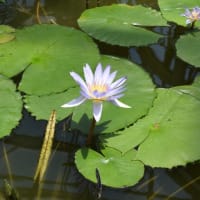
(91, 132)
(192, 26)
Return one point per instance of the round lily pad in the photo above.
(172, 10)
(47, 53)
(10, 106)
(190, 55)
(173, 126)
(139, 95)
(115, 170)
(122, 24)
(42, 106)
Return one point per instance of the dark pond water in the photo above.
(19, 152)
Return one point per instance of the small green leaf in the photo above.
(116, 170)
(172, 10)
(10, 106)
(121, 24)
(187, 48)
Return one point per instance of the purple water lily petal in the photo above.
(119, 82)
(98, 74)
(99, 87)
(188, 21)
(74, 102)
(106, 74)
(97, 110)
(115, 92)
(111, 77)
(117, 96)
(88, 74)
(192, 16)
(79, 80)
(119, 103)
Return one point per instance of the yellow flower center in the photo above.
(194, 15)
(98, 92)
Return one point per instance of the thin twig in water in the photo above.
(91, 132)
(38, 11)
(183, 187)
(7, 164)
(46, 148)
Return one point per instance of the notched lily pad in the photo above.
(116, 170)
(10, 106)
(47, 53)
(173, 126)
(122, 24)
(168, 135)
(190, 55)
(139, 95)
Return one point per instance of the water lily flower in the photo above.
(192, 16)
(98, 87)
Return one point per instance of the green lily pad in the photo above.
(10, 106)
(187, 48)
(173, 125)
(139, 94)
(116, 170)
(42, 106)
(122, 24)
(6, 33)
(131, 137)
(47, 53)
(172, 10)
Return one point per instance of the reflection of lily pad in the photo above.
(6, 33)
(115, 169)
(10, 106)
(120, 24)
(188, 47)
(48, 52)
(139, 94)
(172, 10)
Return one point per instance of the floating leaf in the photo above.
(187, 48)
(172, 10)
(139, 94)
(131, 137)
(121, 24)
(173, 130)
(6, 33)
(115, 169)
(42, 106)
(48, 52)
(10, 106)
(168, 135)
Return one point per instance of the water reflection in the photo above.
(161, 62)
(19, 156)
(63, 181)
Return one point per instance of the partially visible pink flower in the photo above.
(98, 87)
(192, 16)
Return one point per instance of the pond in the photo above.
(19, 151)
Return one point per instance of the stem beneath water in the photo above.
(91, 133)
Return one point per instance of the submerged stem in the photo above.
(91, 132)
